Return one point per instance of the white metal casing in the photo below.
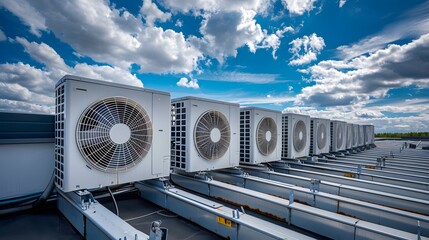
(72, 170)
(186, 111)
(338, 136)
(289, 120)
(369, 134)
(349, 136)
(372, 139)
(355, 132)
(361, 135)
(315, 127)
(250, 117)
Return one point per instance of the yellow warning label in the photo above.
(224, 221)
(351, 175)
(369, 167)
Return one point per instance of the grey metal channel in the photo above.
(333, 184)
(368, 172)
(379, 214)
(381, 179)
(320, 221)
(213, 216)
(405, 168)
(96, 222)
(373, 162)
(394, 162)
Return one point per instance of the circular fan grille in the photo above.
(266, 136)
(299, 136)
(340, 136)
(321, 136)
(114, 134)
(212, 135)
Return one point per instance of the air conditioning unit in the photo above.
(260, 135)
(349, 136)
(338, 136)
(372, 135)
(204, 134)
(108, 134)
(369, 134)
(295, 135)
(355, 132)
(319, 136)
(361, 135)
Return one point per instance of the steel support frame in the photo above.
(92, 220)
(280, 208)
(332, 183)
(224, 221)
(355, 174)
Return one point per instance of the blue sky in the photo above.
(356, 60)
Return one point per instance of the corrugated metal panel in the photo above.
(26, 128)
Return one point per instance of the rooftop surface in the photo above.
(46, 222)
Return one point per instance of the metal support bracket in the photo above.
(224, 221)
(157, 232)
(314, 185)
(92, 220)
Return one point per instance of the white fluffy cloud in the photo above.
(2, 36)
(27, 88)
(414, 23)
(298, 7)
(342, 2)
(225, 32)
(198, 6)
(191, 83)
(25, 11)
(305, 50)
(152, 13)
(99, 30)
(111, 35)
(346, 82)
(378, 115)
(225, 76)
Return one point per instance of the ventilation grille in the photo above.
(312, 127)
(321, 136)
(114, 134)
(212, 135)
(59, 135)
(299, 136)
(245, 136)
(266, 138)
(285, 134)
(178, 135)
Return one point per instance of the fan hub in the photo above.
(268, 136)
(120, 133)
(300, 135)
(215, 135)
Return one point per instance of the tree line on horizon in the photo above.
(401, 135)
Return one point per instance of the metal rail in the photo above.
(224, 221)
(355, 174)
(292, 211)
(93, 221)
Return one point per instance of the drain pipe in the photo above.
(47, 192)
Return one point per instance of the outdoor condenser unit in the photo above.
(260, 135)
(295, 135)
(204, 134)
(108, 134)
